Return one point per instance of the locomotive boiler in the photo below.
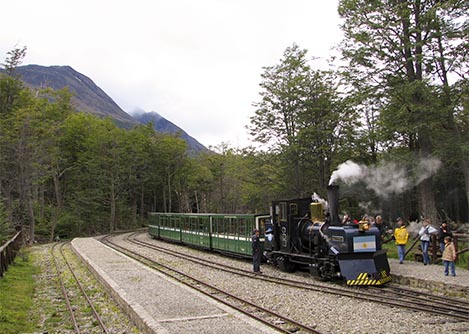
(305, 235)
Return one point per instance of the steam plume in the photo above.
(385, 179)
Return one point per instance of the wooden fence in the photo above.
(8, 252)
(460, 240)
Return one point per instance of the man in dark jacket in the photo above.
(444, 232)
(256, 252)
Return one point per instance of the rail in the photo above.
(8, 252)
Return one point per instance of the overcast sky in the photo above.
(197, 63)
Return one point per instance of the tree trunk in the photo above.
(59, 205)
(427, 205)
(463, 161)
(465, 169)
(142, 203)
(32, 220)
(196, 201)
(170, 204)
(112, 218)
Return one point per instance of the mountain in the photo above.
(161, 124)
(88, 97)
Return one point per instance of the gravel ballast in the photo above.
(325, 312)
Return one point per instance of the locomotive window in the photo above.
(283, 212)
(262, 226)
(293, 209)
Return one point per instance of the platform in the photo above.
(156, 303)
(430, 277)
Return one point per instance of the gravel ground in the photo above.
(49, 302)
(325, 312)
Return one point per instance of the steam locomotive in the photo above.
(295, 235)
(303, 237)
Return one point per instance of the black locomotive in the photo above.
(303, 236)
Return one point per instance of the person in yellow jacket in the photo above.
(401, 236)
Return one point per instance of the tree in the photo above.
(398, 50)
(301, 118)
(275, 123)
(12, 97)
(168, 160)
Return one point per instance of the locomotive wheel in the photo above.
(285, 265)
(326, 271)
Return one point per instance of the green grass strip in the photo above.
(16, 296)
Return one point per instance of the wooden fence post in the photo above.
(8, 252)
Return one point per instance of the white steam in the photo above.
(387, 178)
(318, 199)
(426, 168)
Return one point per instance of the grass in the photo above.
(16, 296)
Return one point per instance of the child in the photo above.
(449, 256)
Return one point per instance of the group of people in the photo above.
(447, 248)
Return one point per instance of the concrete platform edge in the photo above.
(136, 313)
(449, 289)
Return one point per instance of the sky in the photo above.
(196, 63)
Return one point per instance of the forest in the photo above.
(388, 122)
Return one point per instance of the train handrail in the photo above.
(8, 252)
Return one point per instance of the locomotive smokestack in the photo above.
(333, 202)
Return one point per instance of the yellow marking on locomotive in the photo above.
(363, 279)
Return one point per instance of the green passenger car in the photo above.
(219, 232)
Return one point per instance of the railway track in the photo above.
(80, 316)
(393, 296)
(272, 319)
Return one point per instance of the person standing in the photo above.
(256, 252)
(380, 226)
(444, 232)
(401, 235)
(425, 233)
(449, 256)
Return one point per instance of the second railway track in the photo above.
(83, 314)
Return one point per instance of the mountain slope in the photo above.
(88, 97)
(161, 124)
